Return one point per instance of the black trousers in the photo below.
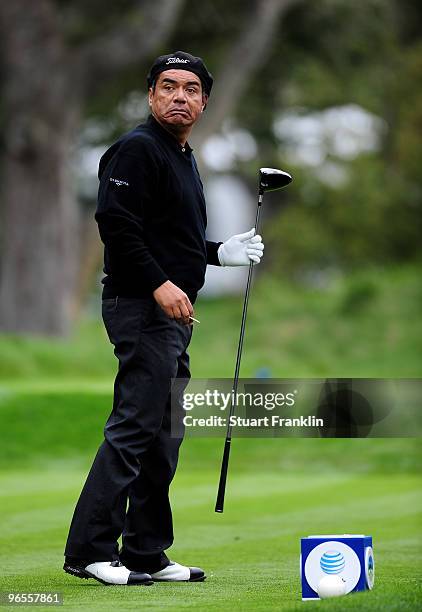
(137, 460)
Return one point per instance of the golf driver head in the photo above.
(271, 179)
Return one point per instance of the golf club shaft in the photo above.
(219, 506)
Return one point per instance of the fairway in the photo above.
(251, 552)
(58, 396)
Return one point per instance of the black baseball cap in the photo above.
(179, 60)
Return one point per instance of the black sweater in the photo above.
(151, 215)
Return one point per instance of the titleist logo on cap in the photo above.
(177, 60)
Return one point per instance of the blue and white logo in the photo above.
(369, 567)
(332, 558)
(332, 562)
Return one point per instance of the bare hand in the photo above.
(174, 302)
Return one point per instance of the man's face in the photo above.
(177, 98)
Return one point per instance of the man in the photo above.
(152, 219)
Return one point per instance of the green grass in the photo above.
(366, 324)
(251, 552)
(45, 426)
(55, 396)
(278, 491)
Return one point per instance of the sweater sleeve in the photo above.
(212, 257)
(127, 187)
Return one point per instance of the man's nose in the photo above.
(180, 95)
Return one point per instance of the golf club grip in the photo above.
(219, 505)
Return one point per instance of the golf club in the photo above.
(270, 179)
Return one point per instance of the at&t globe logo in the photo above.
(332, 558)
(332, 562)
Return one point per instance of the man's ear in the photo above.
(204, 102)
(150, 94)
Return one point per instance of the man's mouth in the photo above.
(178, 111)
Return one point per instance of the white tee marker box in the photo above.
(348, 556)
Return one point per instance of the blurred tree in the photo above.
(370, 56)
(65, 60)
(49, 69)
(60, 57)
(241, 64)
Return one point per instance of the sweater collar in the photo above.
(158, 128)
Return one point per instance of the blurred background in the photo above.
(330, 91)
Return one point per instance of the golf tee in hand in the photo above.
(174, 302)
(241, 249)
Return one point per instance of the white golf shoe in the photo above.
(174, 572)
(107, 572)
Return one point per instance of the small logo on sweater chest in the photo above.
(119, 182)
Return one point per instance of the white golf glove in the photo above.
(241, 249)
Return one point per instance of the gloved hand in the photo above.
(241, 249)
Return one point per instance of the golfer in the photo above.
(152, 218)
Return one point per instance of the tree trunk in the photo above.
(40, 217)
(45, 85)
